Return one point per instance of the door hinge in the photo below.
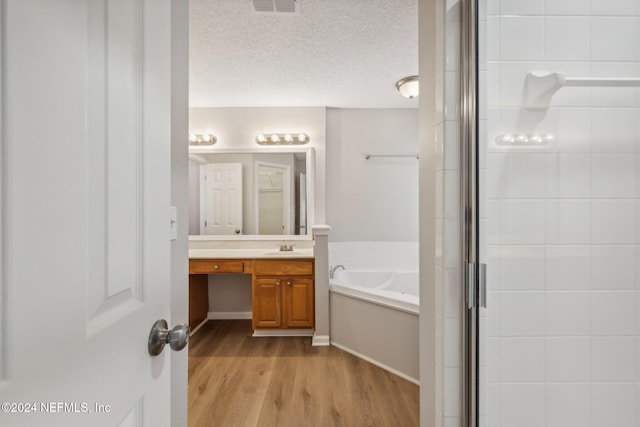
(476, 286)
(482, 285)
(471, 285)
(205, 223)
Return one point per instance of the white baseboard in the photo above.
(283, 333)
(224, 315)
(375, 362)
(320, 341)
(198, 327)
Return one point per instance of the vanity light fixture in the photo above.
(282, 139)
(202, 139)
(408, 87)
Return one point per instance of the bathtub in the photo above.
(374, 304)
(398, 290)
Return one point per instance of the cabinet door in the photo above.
(298, 303)
(267, 306)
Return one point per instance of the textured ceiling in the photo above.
(336, 53)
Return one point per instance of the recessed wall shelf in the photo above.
(521, 140)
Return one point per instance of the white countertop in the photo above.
(249, 253)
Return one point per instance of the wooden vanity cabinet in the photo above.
(199, 270)
(283, 294)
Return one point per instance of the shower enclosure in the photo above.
(551, 106)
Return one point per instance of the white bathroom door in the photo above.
(221, 200)
(85, 174)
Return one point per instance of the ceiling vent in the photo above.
(275, 6)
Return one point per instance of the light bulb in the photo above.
(261, 138)
(275, 138)
(193, 138)
(288, 138)
(206, 138)
(302, 137)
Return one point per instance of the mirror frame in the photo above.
(311, 179)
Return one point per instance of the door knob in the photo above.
(177, 338)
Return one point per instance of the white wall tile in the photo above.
(522, 405)
(522, 360)
(610, 39)
(613, 222)
(522, 7)
(566, 7)
(614, 7)
(567, 267)
(522, 314)
(567, 313)
(567, 405)
(612, 313)
(567, 38)
(568, 175)
(611, 130)
(452, 340)
(613, 405)
(493, 359)
(572, 128)
(613, 176)
(523, 176)
(521, 38)
(568, 222)
(522, 222)
(613, 359)
(568, 359)
(613, 267)
(451, 385)
(522, 268)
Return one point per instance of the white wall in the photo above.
(376, 199)
(562, 229)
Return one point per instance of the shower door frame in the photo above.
(473, 272)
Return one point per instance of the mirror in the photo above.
(249, 193)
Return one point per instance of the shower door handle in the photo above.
(482, 285)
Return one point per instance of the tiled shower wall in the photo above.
(563, 229)
(448, 261)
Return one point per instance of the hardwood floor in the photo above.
(237, 380)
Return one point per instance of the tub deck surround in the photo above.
(375, 303)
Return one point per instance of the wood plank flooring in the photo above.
(237, 380)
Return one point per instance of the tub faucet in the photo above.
(332, 270)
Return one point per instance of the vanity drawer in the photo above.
(212, 266)
(283, 267)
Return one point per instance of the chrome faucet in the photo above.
(285, 248)
(332, 271)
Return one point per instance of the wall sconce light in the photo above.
(282, 139)
(408, 87)
(202, 139)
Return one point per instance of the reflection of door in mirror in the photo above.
(221, 198)
(273, 198)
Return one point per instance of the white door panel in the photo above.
(85, 197)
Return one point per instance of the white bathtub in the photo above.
(398, 290)
(374, 304)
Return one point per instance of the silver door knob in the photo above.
(177, 338)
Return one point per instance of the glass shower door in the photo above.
(558, 170)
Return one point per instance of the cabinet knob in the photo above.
(277, 282)
(216, 267)
(288, 283)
